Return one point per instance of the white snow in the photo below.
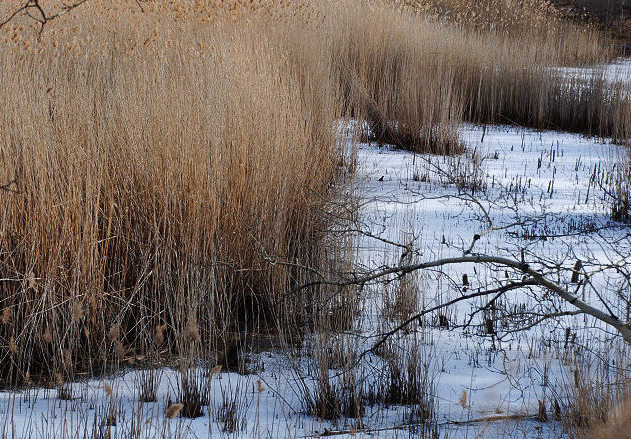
(617, 71)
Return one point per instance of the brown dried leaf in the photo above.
(6, 315)
(173, 410)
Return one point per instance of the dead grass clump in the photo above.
(597, 401)
(331, 401)
(193, 392)
(408, 382)
(148, 383)
(231, 415)
(466, 172)
(334, 389)
(617, 424)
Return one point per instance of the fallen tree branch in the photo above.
(535, 278)
(497, 291)
(494, 418)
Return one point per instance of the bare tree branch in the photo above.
(623, 328)
(8, 186)
(535, 278)
(34, 10)
(497, 291)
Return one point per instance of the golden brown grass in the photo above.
(502, 57)
(539, 28)
(597, 398)
(617, 425)
(168, 164)
(417, 77)
(151, 184)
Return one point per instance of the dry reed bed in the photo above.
(417, 77)
(149, 190)
(164, 159)
(596, 398)
(537, 26)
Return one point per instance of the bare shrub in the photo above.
(193, 392)
(337, 390)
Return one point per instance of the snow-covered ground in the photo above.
(543, 177)
(617, 71)
(542, 181)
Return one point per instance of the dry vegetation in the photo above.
(612, 16)
(161, 165)
(519, 20)
(152, 177)
(598, 401)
